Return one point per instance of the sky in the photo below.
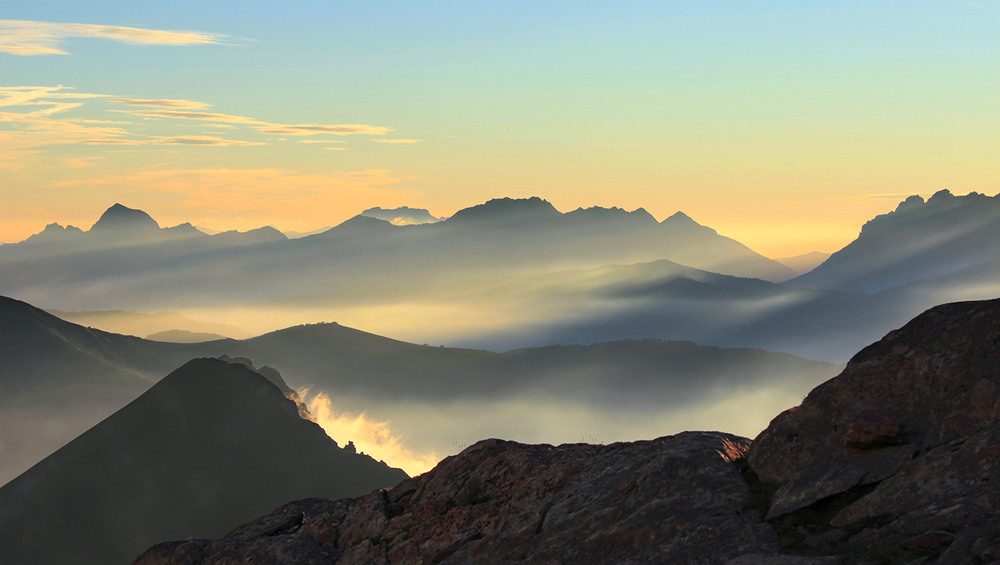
(785, 125)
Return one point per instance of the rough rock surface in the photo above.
(676, 499)
(897, 460)
(901, 451)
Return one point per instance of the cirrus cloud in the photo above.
(397, 140)
(264, 127)
(160, 103)
(22, 37)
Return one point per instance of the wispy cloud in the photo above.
(321, 141)
(397, 140)
(315, 129)
(263, 127)
(160, 103)
(202, 140)
(34, 117)
(21, 37)
(39, 95)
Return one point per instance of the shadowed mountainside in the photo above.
(211, 444)
(60, 378)
(895, 461)
(915, 242)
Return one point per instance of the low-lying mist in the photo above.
(414, 436)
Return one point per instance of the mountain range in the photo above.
(143, 266)
(59, 379)
(514, 273)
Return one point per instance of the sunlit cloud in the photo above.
(372, 437)
(182, 115)
(201, 140)
(160, 103)
(43, 116)
(20, 37)
(38, 95)
(263, 127)
(315, 129)
(397, 140)
(335, 148)
(321, 141)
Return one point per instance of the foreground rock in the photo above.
(902, 450)
(676, 499)
(897, 460)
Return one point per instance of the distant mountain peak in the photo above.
(679, 218)
(508, 210)
(119, 217)
(402, 216)
(599, 213)
(359, 224)
(943, 194)
(682, 220)
(911, 202)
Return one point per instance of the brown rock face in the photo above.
(677, 499)
(904, 444)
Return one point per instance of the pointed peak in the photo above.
(680, 218)
(358, 225)
(119, 217)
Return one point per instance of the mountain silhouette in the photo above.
(362, 259)
(917, 241)
(506, 212)
(120, 218)
(210, 445)
(60, 378)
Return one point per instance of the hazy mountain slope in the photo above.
(345, 361)
(668, 301)
(363, 258)
(145, 323)
(802, 264)
(58, 379)
(423, 390)
(917, 241)
(210, 445)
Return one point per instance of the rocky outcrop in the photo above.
(676, 499)
(901, 451)
(897, 460)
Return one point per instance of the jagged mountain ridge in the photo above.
(364, 255)
(876, 465)
(917, 241)
(211, 444)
